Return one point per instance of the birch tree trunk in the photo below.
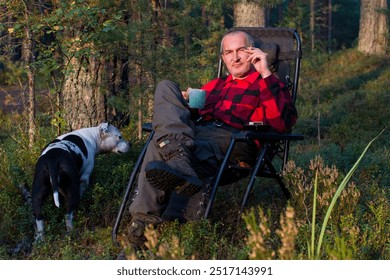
(374, 28)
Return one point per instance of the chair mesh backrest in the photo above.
(284, 49)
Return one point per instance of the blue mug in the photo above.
(196, 98)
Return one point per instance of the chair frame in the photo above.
(263, 166)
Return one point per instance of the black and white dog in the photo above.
(65, 166)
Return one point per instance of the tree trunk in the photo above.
(329, 26)
(374, 28)
(28, 58)
(31, 106)
(312, 23)
(83, 103)
(249, 14)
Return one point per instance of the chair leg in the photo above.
(286, 192)
(217, 179)
(129, 189)
(259, 164)
(286, 152)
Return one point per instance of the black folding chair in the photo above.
(283, 46)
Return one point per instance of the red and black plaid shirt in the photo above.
(237, 102)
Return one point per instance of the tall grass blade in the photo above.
(313, 222)
(337, 194)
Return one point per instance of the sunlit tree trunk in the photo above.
(249, 14)
(312, 23)
(374, 28)
(28, 58)
(83, 103)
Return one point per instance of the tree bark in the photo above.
(312, 23)
(249, 14)
(28, 58)
(374, 28)
(31, 107)
(83, 103)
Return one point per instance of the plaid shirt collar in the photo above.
(250, 79)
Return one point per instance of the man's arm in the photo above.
(277, 105)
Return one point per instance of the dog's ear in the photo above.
(104, 128)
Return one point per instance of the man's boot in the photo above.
(175, 173)
(193, 208)
(137, 227)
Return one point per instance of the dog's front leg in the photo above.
(40, 235)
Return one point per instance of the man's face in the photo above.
(235, 56)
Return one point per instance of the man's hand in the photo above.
(186, 94)
(259, 59)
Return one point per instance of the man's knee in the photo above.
(165, 85)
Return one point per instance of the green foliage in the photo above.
(328, 180)
(378, 218)
(345, 228)
(202, 240)
(102, 200)
(135, 43)
(344, 13)
(337, 194)
(15, 217)
(332, 204)
(343, 97)
(80, 244)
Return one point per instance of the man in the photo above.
(183, 153)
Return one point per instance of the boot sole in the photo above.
(164, 178)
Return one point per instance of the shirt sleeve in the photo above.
(276, 104)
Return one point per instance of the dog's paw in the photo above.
(39, 237)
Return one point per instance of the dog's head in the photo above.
(111, 139)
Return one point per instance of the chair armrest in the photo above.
(147, 127)
(266, 135)
(250, 134)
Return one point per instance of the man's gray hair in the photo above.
(250, 41)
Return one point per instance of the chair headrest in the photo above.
(272, 50)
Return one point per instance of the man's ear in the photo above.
(223, 58)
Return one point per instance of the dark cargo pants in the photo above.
(171, 116)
